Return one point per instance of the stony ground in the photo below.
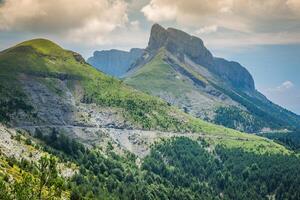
(60, 108)
(13, 146)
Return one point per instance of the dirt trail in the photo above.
(133, 140)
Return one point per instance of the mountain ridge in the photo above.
(229, 86)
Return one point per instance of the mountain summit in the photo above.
(179, 43)
(185, 46)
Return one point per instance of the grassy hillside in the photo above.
(158, 76)
(43, 58)
(35, 58)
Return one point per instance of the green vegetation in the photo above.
(179, 168)
(290, 139)
(236, 118)
(188, 171)
(264, 111)
(157, 76)
(102, 175)
(12, 99)
(34, 181)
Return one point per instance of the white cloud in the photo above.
(207, 29)
(89, 20)
(135, 25)
(156, 12)
(286, 94)
(285, 86)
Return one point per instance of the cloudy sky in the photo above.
(263, 35)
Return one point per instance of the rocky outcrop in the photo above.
(115, 62)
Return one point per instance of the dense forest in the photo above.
(263, 111)
(289, 139)
(177, 168)
(236, 118)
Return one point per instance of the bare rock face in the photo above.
(158, 37)
(234, 73)
(179, 43)
(182, 45)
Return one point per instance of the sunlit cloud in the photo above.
(77, 20)
(156, 12)
(256, 19)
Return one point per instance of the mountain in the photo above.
(111, 141)
(181, 44)
(114, 62)
(178, 68)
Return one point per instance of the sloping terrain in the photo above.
(47, 85)
(126, 144)
(178, 68)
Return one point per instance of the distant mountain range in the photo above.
(178, 68)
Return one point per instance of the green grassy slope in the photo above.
(43, 58)
(158, 76)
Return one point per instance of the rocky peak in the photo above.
(181, 44)
(158, 37)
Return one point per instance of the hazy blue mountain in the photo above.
(114, 62)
